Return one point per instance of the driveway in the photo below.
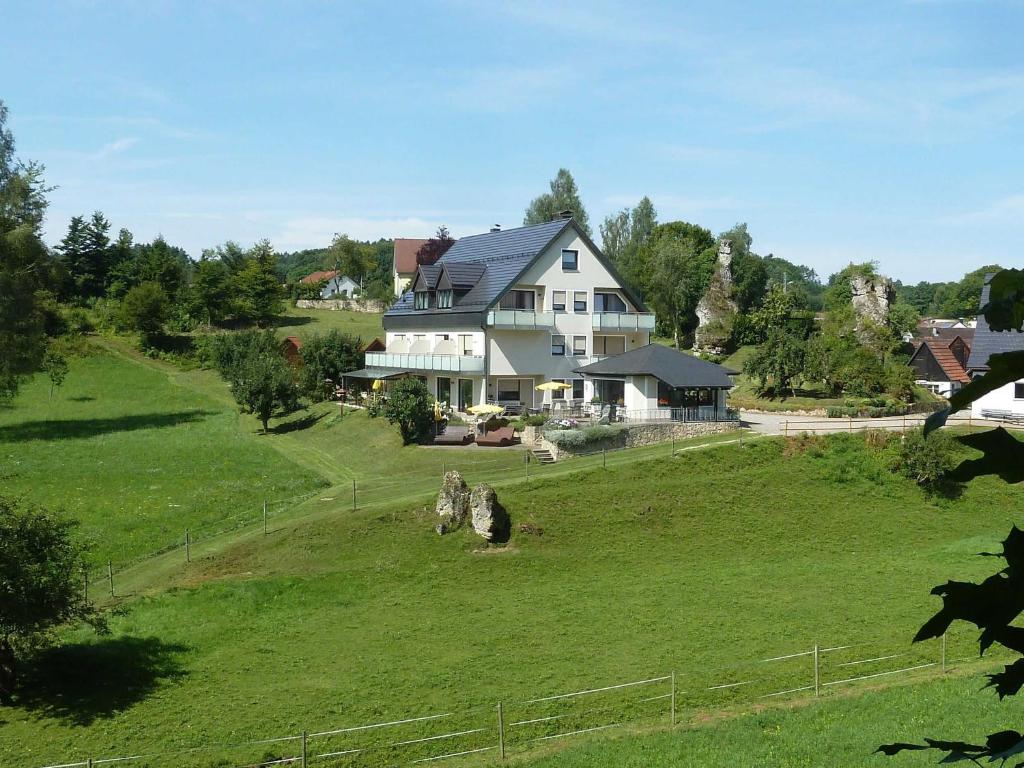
(790, 423)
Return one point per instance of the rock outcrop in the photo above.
(452, 503)
(872, 298)
(716, 310)
(490, 519)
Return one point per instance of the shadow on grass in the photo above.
(1003, 457)
(81, 683)
(288, 321)
(77, 429)
(81, 399)
(296, 425)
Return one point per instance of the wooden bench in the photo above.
(455, 435)
(502, 437)
(1000, 415)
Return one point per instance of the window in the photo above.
(508, 390)
(608, 302)
(421, 300)
(609, 345)
(466, 343)
(558, 346)
(518, 300)
(558, 301)
(570, 261)
(558, 394)
(444, 389)
(444, 299)
(1018, 391)
(579, 346)
(577, 389)
(579, 301)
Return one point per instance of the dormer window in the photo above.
(444, 299)
(421, 300)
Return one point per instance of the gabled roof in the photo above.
(489, 264)
(942, 351)
(967, 334)
(677, 369)
(988, 342)
(405, 254)
(317, 277)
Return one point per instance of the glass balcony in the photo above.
(521, 319)
(623, 321)
(426, 362)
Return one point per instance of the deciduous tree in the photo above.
(410, 406)
(563, 196)
(325, 358)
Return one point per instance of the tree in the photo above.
(615, 235)
(144, 309)
(41, 586)
(749, 276)
(564, 196)
(410, 406)
(778, 362)
(795, 279)
(351, 258)
(624, 234)
(24, 265)
(435, 247)
(260, 379)
(677, 262)
(210, 292)
(325, 357)
(258, 292)
(56, 367)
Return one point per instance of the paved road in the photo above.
(778, 423)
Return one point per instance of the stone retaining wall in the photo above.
(632, 436)
(353, 305)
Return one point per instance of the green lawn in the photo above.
(303, 322)
(702, 564)
(137, 458)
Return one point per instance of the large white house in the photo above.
(505, 311)
(1008, 400)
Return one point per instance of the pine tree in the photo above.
(564, 196)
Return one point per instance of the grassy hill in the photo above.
(702, 564)
(303, 322)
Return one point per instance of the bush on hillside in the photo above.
(261, 380)
(144, 309)
(575, 439)
(325, 357)
(926, 460)
(410, 406)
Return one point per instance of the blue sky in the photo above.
(838, 131)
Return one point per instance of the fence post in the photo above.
(188, 549)
(943, 653)
(851, 423)
(673, 704)
(673, 445)
(110, 577)
(88, 763)
(444, 468)
(501, 730)
(785, 428)
(527, 467)
(303, 749)
(817, 671)
(353, 494)
(264, 517)
(604, 458)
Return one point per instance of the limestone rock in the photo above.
(452, 502)
(716, 309)
(872, 298)
(490, 519)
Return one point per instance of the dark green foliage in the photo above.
(40, 581)
(927, 461)
(258, 295)
(623, 234)
(959, 298)
(564, 196)
(210, 291)
(325, 357)
(260, 378)
(144, 309)
(798, 280)
(410, 406)
(749, 274)
(779, 361)
(677, 262)
(86, 256)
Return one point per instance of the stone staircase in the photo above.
(542, 455)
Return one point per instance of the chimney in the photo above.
(496, 228)
(566, 214)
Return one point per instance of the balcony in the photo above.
(426, 362)
(623, 321)
(520, 319)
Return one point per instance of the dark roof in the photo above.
(406, 249)
(988, 342)
(375, 373)
(488, 265)
(942, 351)
(677, 369)
(967, 334)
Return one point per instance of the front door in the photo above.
(465, 393)
(444, 390)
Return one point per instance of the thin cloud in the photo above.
(1010, 208)
(115, 148)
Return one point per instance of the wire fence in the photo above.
(903, 424)
(516, 725)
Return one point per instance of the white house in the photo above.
(505, 311)
(335, 285)
(1008, 400)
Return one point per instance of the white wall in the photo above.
(1001, 399)
(401, 342)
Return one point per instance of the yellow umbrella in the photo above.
(480, 410)
(377, 384)
(438, 416)
(551, 386)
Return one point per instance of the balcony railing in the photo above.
(623, 321)
(426, 362)
(521, 319)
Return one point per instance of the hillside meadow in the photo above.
(702, 564)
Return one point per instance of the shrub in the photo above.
(144, 309)
(926, 460)
(325, 357)
(581, 438)
(78, 321)
(411, 407)
(534, 420)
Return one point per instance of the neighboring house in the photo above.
(940, 364)
(291, 347)
(1008, 399)
(376, 345)
(336, 285)
(405, 264)
(505, 311)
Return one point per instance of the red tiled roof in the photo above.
(947, 360)
(405, 253)
(317, 277)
